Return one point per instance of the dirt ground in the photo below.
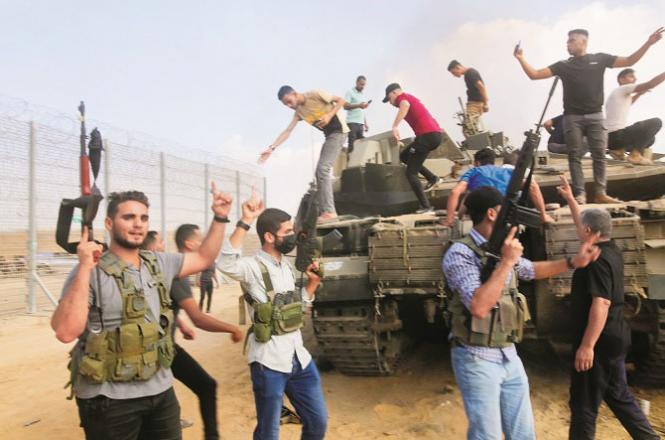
(420, 402)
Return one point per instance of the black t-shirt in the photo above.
(582, 77)
(602, 278)
(471, 78)
(180, 289)
(557, 136)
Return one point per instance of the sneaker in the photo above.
(581, 199)
(430, 185)
(184, 423)
(425, 210)
(605, 199)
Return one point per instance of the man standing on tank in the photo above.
(477, 99)
(428, 138)
(582, 76)
(355, 116)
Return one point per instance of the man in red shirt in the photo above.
(428, 137)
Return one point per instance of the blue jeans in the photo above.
(496, 397)
(303, 388)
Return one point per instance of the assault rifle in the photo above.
(514, 211)
(309, 245)
(88, 202)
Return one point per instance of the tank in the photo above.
(383, 288)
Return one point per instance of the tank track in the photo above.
(356, 340)
(651, 369)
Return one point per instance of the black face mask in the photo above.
(286, 244)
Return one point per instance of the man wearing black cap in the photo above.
(428, 137)
(486, 319)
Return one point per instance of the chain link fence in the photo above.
(39, 153)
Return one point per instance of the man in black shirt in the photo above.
(185, 368)
(601, 333)
(477, 100)
(583, 96)
(207, 281)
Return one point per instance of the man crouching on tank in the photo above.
(279, 363)
(117, 304)
(486, 320)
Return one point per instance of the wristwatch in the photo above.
(221, 219)
(569, 262)
(243, 225)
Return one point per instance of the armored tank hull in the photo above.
(383, 288)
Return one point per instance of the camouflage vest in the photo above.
(138, 347)
(283, 313)
(503, 325)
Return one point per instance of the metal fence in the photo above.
(39, 167)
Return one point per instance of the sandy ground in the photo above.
(420, 402)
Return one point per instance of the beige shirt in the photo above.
(317, 104)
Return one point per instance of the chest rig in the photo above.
(503, 326)
(283, 313)
(142, 343)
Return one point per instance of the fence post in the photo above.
(162, 195)
(238, 203)
(107, 183)
(32, 227)
(206, 196)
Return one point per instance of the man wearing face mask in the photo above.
(279, 362)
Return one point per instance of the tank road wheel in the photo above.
(356, 340)
(651, 364)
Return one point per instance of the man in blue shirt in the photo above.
(355, 116)
(489, 373)
(485, 173)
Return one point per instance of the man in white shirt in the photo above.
(279, 362)
(638, 137)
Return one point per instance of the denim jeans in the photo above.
(324, 180)
(496, 397)
(576, 127)
(144, 418)
(303, 388)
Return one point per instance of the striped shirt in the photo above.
(462, 267)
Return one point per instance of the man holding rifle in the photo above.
(487, 319)
(117, 304)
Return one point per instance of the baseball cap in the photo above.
(390, 88)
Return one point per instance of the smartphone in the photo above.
(369, 102)
(518, 45)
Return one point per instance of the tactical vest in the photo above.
(503, 325)
(283, 313)
(138, 347)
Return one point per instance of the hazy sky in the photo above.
(206, 73)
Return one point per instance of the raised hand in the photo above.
(221, 202)
(265, 154)
(518, 52)
(565, 190)
(656, 36)
(512, 248)
(88, 252)
(252, 208)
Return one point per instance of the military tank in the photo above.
(383, 288)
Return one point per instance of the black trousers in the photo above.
(638, 136)
(144, 418)
(206, 290)
(193, 376)
(606, 380)
(356, 131)
(414, 156)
